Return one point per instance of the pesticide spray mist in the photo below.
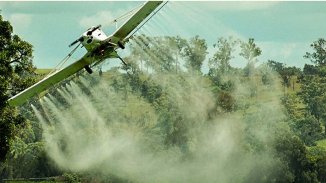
(118, 133)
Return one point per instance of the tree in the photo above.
(310, 69)
(314, 81)
(317, 155)
(250, 51)
(280, 69)
(276, 66)
(293, 153)
(223, 55)
(318, 57)
(138, 46)
(161, 54)
(292, 72)
(178, 45)
(195, 53)
(219, 65)
(308, 129)
(286, 73)
(16, 73)
(226, 101)
(312, 92)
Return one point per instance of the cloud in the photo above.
(237, 6)
(105, 18)
(277, 49)
(290, 53)
(20, 21)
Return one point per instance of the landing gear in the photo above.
(88, 69)
(121, 45)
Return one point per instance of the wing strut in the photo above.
(135, 21)
(63, 61)
(123, 61)
(154, 13)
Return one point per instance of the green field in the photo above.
(43, 71)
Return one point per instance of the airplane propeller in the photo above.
(93, 29)
(81, 38)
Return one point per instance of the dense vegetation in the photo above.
(292, 133)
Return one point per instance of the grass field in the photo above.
(43, 71)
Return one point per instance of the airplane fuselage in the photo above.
(93, 39)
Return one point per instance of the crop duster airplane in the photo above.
(99, 47)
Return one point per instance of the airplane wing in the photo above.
(49, 81)
(56, 77)
(135, 20)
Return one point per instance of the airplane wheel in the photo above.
(120, 44)
(88, 69)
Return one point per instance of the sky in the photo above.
(283, 30)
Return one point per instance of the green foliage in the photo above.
(290, 149)
(317, 155)
(163, 53)
(318, 57)
(27, 157)
(71, 178)
(223, 55)
(314, 82)
(267, 75)
(249, 50)
(16, 73)
(195, 53)
(308, 129)
(286, 73)
(226, 101)
(292, 105)
(310, 70)
(313, 94)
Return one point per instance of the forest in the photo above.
(162, 119)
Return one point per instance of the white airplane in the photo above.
(99, 47)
